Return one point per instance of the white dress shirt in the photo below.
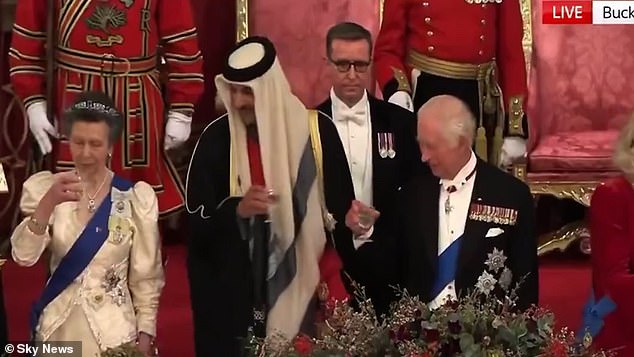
(355, 131)
(451, 225)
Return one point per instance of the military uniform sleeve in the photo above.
(182, 53)
(389, 51)
(27, 55)
(512, 66)
(146, 277)
(26, 246)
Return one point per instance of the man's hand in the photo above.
(40, 126)
(402, 99)
(513, 148)
(360, 218)
(177, 130)
(255, 202)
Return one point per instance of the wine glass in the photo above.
(367, 217)
(273, 199)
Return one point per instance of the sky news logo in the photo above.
(573, 12)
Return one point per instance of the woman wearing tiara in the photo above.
(102, 234)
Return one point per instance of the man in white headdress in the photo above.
(263, 204)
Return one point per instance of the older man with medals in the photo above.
(421, 52)
(263, 203)
(468, 225)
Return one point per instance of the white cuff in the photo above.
(358, 241)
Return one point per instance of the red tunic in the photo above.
(111, 45)
(612, 237)
(456, 31)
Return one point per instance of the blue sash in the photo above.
(593, 314)
(447, 267)
(80, 254)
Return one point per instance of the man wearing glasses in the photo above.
(379, 140)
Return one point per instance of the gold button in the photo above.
(427, 19)
(98, 298)
(425, 3)
(430, 33)
(481, 37)
(483, 22)
(480, 52)
(430, 48)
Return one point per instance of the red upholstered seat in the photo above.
(583, 151)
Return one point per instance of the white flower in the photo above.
(495, 260)
(486, 283)
(506, 278)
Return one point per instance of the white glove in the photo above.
(177, 130)
(513, 148)
(40, 127)
(402, 98)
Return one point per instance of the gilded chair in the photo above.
(581, 92)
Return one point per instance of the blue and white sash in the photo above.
(80, 254)
(447, 267)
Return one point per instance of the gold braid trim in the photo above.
(516, 115)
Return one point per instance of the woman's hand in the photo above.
(145, 345)
(66, 187)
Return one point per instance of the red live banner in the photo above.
(565, 12)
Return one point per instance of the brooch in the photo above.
(119, 228)
(113, 284)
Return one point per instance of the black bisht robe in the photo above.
(219, 267)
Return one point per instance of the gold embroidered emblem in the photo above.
(106, 18)
(491, 214)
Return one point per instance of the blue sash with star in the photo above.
(447, 267)
(80, 254)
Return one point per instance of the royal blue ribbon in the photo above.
(593, 314)
(80, 254)
(447, 267)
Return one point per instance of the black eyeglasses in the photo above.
(344, 66)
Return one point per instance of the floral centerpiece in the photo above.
(124, 350)
(476, 325)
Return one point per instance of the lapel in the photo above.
(380, 124)
(326, 107)
(474, 230)
(426, 221)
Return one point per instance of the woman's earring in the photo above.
(109, 155)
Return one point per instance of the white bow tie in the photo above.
(357, 115)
